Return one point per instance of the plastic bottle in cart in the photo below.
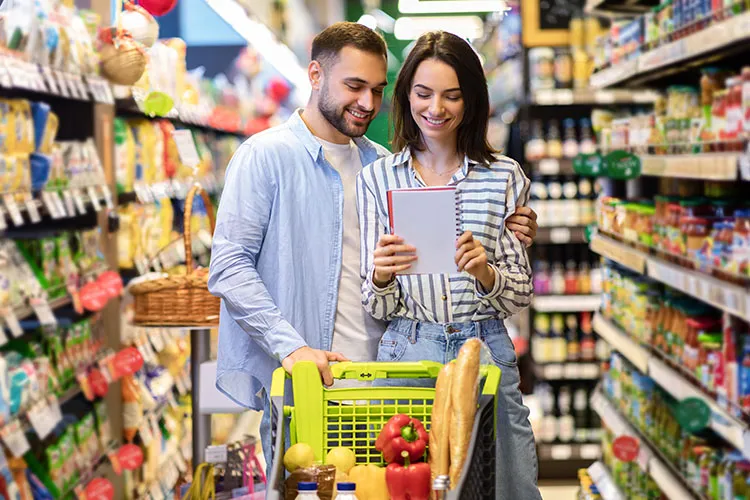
(346, 491)
(307, 491)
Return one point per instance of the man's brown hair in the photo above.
(329, 42)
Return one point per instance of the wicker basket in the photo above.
(179, 301)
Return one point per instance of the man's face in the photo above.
(351, 91)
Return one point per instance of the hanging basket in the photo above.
(180, 301)
(122, 59)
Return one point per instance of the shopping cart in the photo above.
(353, 417)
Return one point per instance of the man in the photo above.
(285, 257)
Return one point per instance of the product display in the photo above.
(567, 416)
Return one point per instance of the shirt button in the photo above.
(445, 297)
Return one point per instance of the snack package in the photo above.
(324, 475)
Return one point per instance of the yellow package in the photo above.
(180, 71)
(158, 136)
(50, 132)
(23, 127)
(6, 177)
(6, 127)
(146, 141)
(166, 222)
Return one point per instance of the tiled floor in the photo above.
(559, 490)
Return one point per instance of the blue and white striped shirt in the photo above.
(487, 195)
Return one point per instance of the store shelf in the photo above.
(560, 235)
(568, 371)
(649, 460)
(553, 166)
(706, 166)
(622, 342)
(734, 431)
(614, 7)
(566, 303)
(731, 298)
(673, 56)
(563, 452)
(25, 311)
(602, 478)
(567, 97)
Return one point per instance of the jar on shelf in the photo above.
(695, 230)
(740, 249)
(630, 222)
(645, 227)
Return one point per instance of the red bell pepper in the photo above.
(409, 481)
(402, 433)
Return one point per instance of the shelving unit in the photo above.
(678, 55)
(649, 459)
(566, 303)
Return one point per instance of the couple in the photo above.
(287, 247)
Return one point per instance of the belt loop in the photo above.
(413, 337)
(478, 327)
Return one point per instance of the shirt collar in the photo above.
(312, 144)
(403, 159)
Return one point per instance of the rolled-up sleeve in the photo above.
(513, 289)
(241, 224)
(380, 303)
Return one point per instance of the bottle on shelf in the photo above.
(546, 396)
(588, 340)
(584, 273)
(557, 339)
(555, 208)
(554, 145)
(581, 414)
(572, 204)
(571, 334)
(566, 423)
(587, 145)
(596, 277)
(571, 275)
(557, 278)
(541, 346)
(586, 201)
(541, 274)
(535, 147)
(570, 140)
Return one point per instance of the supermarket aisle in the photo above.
(559, 490)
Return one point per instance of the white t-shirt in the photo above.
(356, 334)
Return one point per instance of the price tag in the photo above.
(78, 198)
(62, 84)
(154, 335)
(186, 147)
(3, 224)
(34, 215)
(732, 299)
(156, 264)
(590, 451)
(82, 89)
(13, 210)
(49, 203)
(561, 452)
(60, 204)
(5, 80)
(146, 435)
(49, 78)
(11, 321)
(94, 196)
(704, 290)
(15, 439)
(70, 207)
(691, 285)
(554, 372)
(216, 454)
(140, 266)
(572, 371)
(107, 195)
(42, 420)
(180, 462)
(156, 491)
(43, 312)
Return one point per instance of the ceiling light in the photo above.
(411, 28)
(450, 6)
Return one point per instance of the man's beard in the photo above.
(336, 117)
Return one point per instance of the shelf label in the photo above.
(561, 452)
(13, 210)
(693, 414)
(78, 198)
(43, 311)
(590, 451)
(216, 454)
(50, 204)
(107, 195)
(43, 419)
(15, 439)
(11, 321)
(559, 235)
(94, 196)
(34, 215)
(70, 207)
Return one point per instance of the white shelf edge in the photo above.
(625, 255)
(732, 430)
(602, 478)
(663, 476)
(567, 303)
(705, 166)
(621, 342)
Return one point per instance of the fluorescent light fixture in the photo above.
(411, 28)
(368, 21)
(264, 41)
(450, 6)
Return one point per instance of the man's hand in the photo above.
(523, 224)
(320, 358)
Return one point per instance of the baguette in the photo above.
(441, 423)
(464, 405)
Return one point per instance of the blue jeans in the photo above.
(517, 466)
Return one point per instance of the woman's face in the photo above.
(436, 102)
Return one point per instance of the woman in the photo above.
(440, 112)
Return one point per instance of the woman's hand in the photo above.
(472, 257)
(387, 263)
(523, 224)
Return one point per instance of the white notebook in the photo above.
(427, 219)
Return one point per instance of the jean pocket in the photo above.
(501, 348)
(392, 347)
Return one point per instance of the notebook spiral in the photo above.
(459, 215)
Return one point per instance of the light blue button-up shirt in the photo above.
(276, 256)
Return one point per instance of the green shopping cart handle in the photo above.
(381, 370)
